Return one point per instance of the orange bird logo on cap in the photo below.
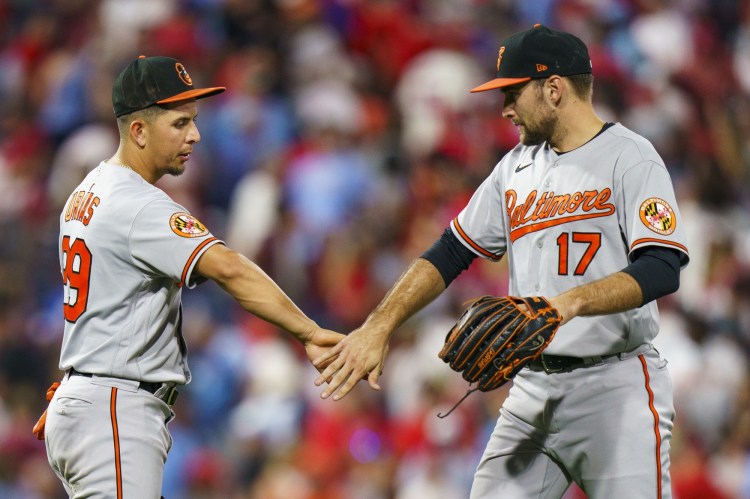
(500, 56)
(182, 72)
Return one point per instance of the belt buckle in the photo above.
(550, 370)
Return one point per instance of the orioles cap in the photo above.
(154, 80)
(538, 52)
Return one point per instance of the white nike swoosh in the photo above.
(521, 167)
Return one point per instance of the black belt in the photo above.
(559, 363)
(149, 387)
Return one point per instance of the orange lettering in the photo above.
(602, 198)
(90, 210)
(550, 209)
(85, 208)
(77, 206)
(559, 204)
(589, 202)
(539, 207)
(510, 203)
(81, 206)
(69, 208)
(527, 205)
(575, 201)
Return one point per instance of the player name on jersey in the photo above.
(81, 206)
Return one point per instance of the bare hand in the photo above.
(359, 355)
(318, 343)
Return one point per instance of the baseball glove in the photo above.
(497, 336)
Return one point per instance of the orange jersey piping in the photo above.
(655, 240)
(474, 245)
(192, 257)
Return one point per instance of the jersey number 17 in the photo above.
(592, 239)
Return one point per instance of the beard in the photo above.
(175, 171)
(540, 130)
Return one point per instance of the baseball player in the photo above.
(586, 214)
(126, 253)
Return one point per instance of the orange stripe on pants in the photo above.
(116, 440)
(657, 433)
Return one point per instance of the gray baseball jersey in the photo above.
(126, 252)
(568, 219)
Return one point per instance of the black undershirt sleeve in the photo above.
(449, 256)
(656, 270)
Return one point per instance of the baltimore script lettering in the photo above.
(538, 212)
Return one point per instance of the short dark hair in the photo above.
(583, 84)
(146, 114)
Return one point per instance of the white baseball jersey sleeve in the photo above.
(569, 219)
(126, 252)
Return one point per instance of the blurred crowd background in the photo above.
(346, 141)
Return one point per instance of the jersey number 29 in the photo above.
(76, 273)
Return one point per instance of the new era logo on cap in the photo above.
(154, 80)
(538, 52)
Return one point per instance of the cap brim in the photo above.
(196, 93)
(499, 83)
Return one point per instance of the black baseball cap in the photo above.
(154, 80)
(538, 52)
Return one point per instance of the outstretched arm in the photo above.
(257, 293)
(362, 353)
(615, 293)
(654, 273)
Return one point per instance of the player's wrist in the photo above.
(379, 325)
(308, 333)
(565, 306)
